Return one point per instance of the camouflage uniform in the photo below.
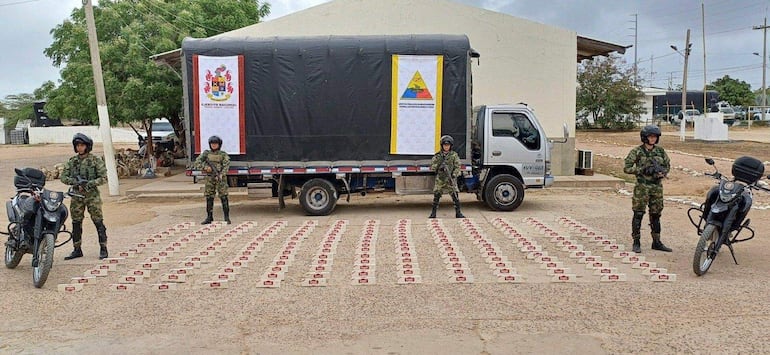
(92, 169)
(446, 179)
(221, 161)
(648, 191)
(215, 184)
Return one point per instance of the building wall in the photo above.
(5, 135)
(521, 61)
(63, 134)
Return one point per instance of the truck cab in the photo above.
(510, 154)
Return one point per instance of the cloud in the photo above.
(24, 34)
(284, 7)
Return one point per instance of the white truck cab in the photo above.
(511, 153)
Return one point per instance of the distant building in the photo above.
(671, 102)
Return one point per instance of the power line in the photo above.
(184, 20)
(17, 3)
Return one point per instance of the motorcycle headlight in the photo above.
(51, 205)
(52, 200)
(727, 193)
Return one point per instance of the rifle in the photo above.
(214, 171)
(655, 170)
(81, 184)
(445, 168)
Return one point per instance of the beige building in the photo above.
(521, 60)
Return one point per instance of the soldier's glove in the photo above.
(80, 183)
(207, 169)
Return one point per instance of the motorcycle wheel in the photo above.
(704, 251)
(13, 255)
(45, 260)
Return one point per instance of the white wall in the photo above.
(63, 134)
(649, 95)
(5, 135)
(521, 60)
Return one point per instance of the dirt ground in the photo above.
(725, 311)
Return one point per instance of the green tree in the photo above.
(129, 32)
(606, 94)
(734, 91)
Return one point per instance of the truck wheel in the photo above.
(504, 193)
(318, 197)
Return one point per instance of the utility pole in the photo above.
(636, 46)
(652, 73)
(764, 66)
(101, 102)
(703, 28)
(682, 124)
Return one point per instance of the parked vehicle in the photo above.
(320, 116)
(728, 115)
(690, 115)
(36, 217)
(740, 112)
(757, 114)
(162, 132)
(722, 217)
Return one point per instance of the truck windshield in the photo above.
(518, 126)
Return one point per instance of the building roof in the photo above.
(587, 48)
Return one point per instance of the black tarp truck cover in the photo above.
(330, 98)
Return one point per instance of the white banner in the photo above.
(416, 104)
(219, 102)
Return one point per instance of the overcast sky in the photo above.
(730, 41)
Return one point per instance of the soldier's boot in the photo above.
(209, 210)
(226, 208)
(636, 227)
(101, 231)
(436, 199)
(77, 235)
(655, 226)
(456, 200)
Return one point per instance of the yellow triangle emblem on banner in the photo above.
(417, 90)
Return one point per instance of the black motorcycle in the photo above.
(36, 218)
(722, 218)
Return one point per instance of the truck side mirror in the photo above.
(565, 134)
(709, 161)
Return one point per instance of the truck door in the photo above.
(514, 139)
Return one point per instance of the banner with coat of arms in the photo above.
(219, 102)
(417, 82)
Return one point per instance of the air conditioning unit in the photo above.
(585, 160)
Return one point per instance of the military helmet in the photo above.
(648, 131)
(215, 139)
(84, 139)
(447, 139)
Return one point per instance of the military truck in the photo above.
(318, 118)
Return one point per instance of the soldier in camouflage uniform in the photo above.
(216, 180)
(446, 164)
(85, 172)
(650, 164)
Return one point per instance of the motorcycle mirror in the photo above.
(709, 161)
